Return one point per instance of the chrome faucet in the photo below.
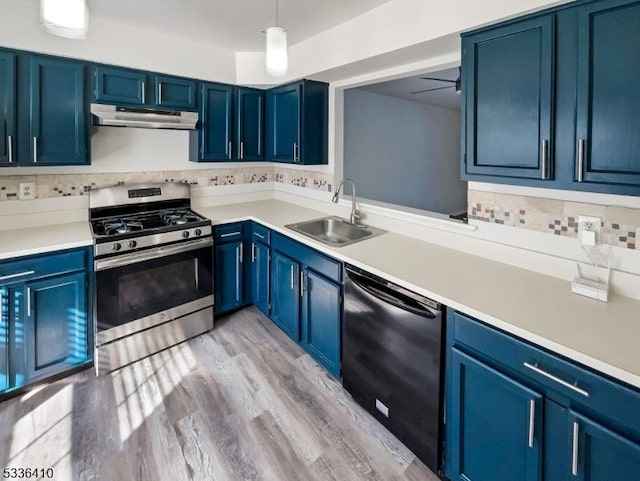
(355, 213)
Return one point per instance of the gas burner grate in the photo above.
(179, 217)
(119, 226)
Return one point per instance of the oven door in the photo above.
(143, 289)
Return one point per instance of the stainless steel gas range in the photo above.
(153, 271)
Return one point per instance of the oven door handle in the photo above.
(134, 258)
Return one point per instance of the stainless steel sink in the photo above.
(335, 231)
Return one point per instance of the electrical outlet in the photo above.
(589, 229)
(27, 191)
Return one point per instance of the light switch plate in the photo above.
(27, 191)
(589, 224)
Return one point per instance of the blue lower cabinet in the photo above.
(260, 281)
(229, 276)
(599, 454)
(285, 305)
(494, 425)
(321, 319)
(56, 332)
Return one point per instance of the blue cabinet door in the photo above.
(7, 108)
(599, 454)
(283, 123)
(249, 124)
(285, 298)
(608, 125)
(321, 320)
(494, 425)
(260, 276)
(214, 138)
(229, 278)
(174, 93)
(56, 325)
(508, 100)
(58, 113)
(120, 86)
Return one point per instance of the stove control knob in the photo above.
(116, 246)
(132, 244)
(198, 232)
(185, 234)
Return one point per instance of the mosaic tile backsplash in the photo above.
(66, 185)
(620, 224)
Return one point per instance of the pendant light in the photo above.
(65, 18)
(277, 57)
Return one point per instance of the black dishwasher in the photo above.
(392, 352)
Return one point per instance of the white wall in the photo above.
(404, 153)
(116, 43)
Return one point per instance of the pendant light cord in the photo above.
(277, 13)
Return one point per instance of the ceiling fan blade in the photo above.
(438, 79)
(431, 90)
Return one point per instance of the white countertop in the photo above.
(36, 240)
(535, 307)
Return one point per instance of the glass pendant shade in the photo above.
(65, 18)
(277, 56)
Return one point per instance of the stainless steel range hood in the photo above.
(143, 118)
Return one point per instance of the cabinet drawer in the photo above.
(260, 233)
(305, 255)
(557, 377)
(28, 268)
(228, 233)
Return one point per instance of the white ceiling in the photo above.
(403, 88)
(232, 24)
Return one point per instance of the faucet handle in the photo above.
(356, 217)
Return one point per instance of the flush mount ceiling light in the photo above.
(65, 18)
(277, 57)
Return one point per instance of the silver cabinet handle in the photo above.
(301, 283)
(10, 148)
(230, 234)
(543, 157)
(253, 252)
(241, 150)
(195, 269)
(28, 302)
(241, 246)
(562, 382)
(291, 276)
(229, 149)
(580, 160)
(160, 93)
(532, 420)
(294, 152)
(35, 150)
(238, 273)
(19, 274)
(144, 92)
(574, 448)
(1, 306)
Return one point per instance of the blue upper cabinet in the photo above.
(608, 124)
(494, 425)
(134, 88)
(58, 113)
(249, 124)
(508, 83)
(175, 93)
(297, 123)
(120, 86)
(599, 454)
(55, 325)
(8, 137)
(213, 141)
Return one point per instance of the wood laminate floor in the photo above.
(242, 402)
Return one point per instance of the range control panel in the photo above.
(150, 192)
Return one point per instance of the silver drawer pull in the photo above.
(574, 449)
(19, 274)
(229, 234)
(562, 382)
(259, 235)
